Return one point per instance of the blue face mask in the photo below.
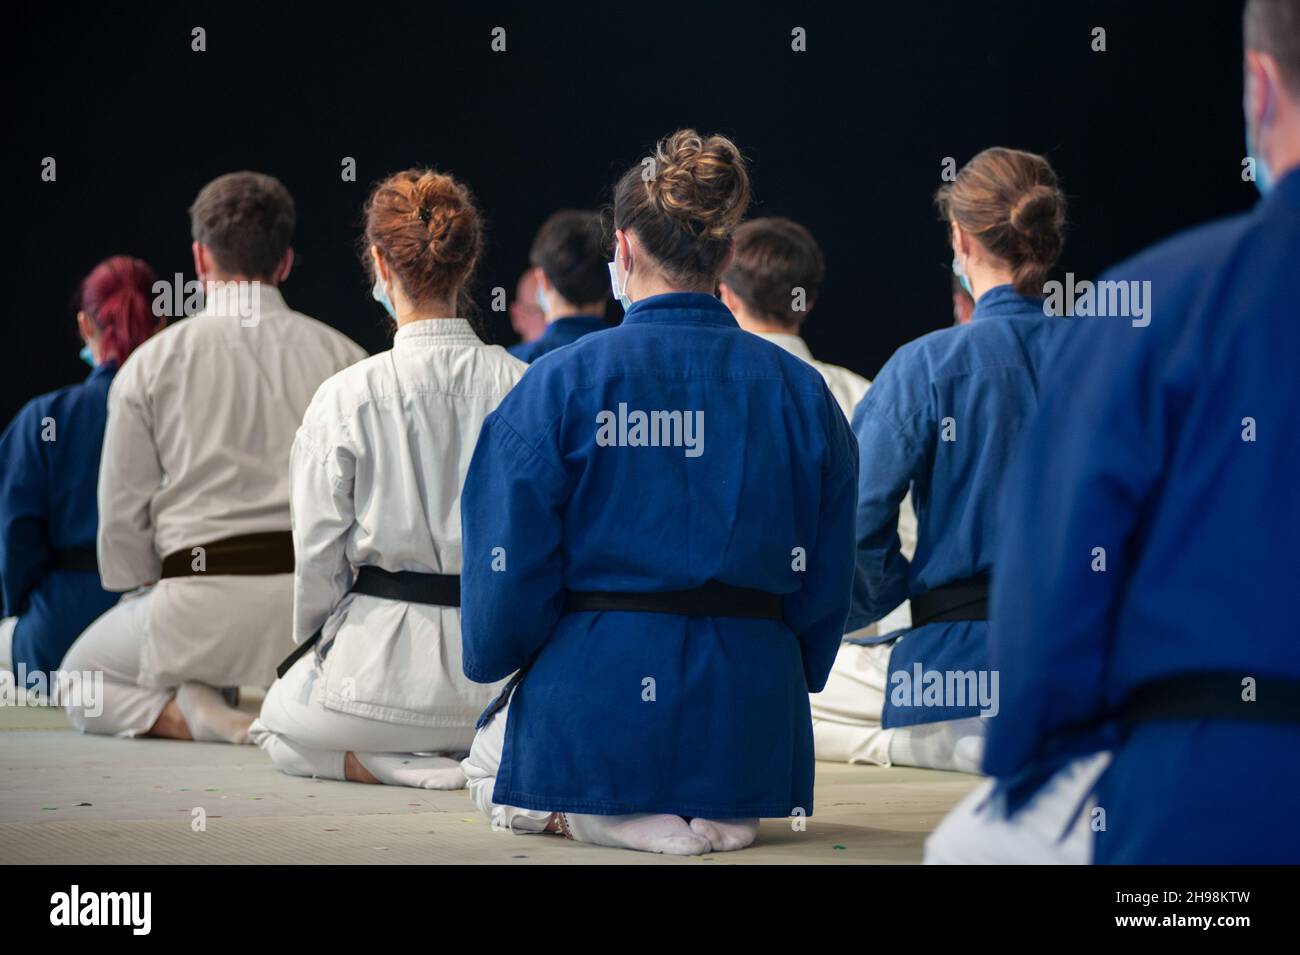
(380, 295)
(961, 275)
(88, 356)
(619, 288)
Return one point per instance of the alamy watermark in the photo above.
(75, 907)
(1129, 299)
(178, 297)
(955, 688)
(651, 429)
(83, 690)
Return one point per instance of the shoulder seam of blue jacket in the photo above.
(497, 418)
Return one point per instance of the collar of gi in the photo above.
(680, 308)
(231, 300)
(792, 343)
(1004, 300)
(103, 368)
(590, 322)
(1286, 191)
(441, 328)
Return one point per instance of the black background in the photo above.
(847, 137)
(1009, 902)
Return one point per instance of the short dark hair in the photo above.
(570, 249)
(1273, 27)
(772, 257)
(246, 220)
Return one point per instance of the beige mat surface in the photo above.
(74, 799)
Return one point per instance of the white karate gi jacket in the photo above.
(376, 473)
(848, 388)
(200, 421)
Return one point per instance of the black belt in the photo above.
(966, 599)
(246, 555)
(439, 590)
(80, 560)
(1204, 696)
(713, 599)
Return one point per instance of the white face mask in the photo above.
(617, 286)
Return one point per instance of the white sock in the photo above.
(726, 835)
(418, 772)
(646, 832)
(208, 716)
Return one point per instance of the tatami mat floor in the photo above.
(74, 799)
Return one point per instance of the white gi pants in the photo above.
(223, 631)
(7, 642)
(111, 645)
(480, 768)
(846, 719)
(1050, 830)
(303, 738)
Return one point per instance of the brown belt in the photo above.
(261, 554)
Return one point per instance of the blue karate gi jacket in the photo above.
(47, 503)
(561, 332)
(1174, 447)
(624, 712)
(943, 417)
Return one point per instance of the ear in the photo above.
(286, 266)
(727, 295)
(86, 327)
(542, 281)
(1263, 84)
(381, 267)
(200, 260)
(960, 240)
(623, 244)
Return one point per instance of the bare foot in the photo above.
(170, 723)
(357, 773)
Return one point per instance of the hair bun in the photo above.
(445, 208)
(427, 227)
(700, 182)
(1034, 209)
(1037, 217)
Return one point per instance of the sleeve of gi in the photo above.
(1078, 484)
(816, 612)
(129, 476)
(512, 580)
(321, 475)
(889, 456)
(24, 540)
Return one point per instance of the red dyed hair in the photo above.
(116, 297)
